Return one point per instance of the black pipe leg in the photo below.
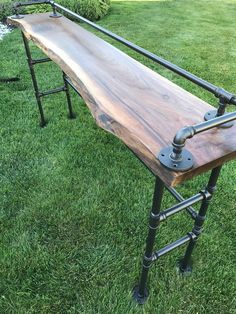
(71, 114)
(140, 292)
(185, 265)
(34, 80)
(43, 121)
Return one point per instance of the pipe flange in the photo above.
(17, 17)
(55, 15)
(183, 164)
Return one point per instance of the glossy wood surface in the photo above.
(139, 106)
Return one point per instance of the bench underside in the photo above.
(136, 104)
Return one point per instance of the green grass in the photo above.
(75, 202)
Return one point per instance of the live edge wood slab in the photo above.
(140, 107)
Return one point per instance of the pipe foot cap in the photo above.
(186, 271)
(140, 299)
(43, 124)
(71, 116)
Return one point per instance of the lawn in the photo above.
(75, 201)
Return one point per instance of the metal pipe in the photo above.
(156, 255)
(66, 78)
(36, 61)
(185, 264)
(34, 80)
(176, 157)
(182, 205)
(183, 134)
(71, 114)
(52, 91)
(180, 198)
(140, 293)
(28, 3)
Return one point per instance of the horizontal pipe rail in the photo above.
(182, 205)
(72, 85)
(204, 126)
(180, 198)
(28, 3)
(52, 91)
(183, 134)
(36, 61)
(156, 255)
(217, 91)
(9, 79)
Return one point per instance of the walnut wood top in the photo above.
(140, 107)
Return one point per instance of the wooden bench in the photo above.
(141, 108)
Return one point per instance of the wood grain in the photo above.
(139, 106)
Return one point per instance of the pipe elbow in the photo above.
(183, 134)
(224, 95)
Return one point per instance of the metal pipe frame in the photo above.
(34, 80)
(218, 92)
(185, 265)
(140, 292)
(38, 93)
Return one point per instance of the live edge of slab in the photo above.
(136, 104)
